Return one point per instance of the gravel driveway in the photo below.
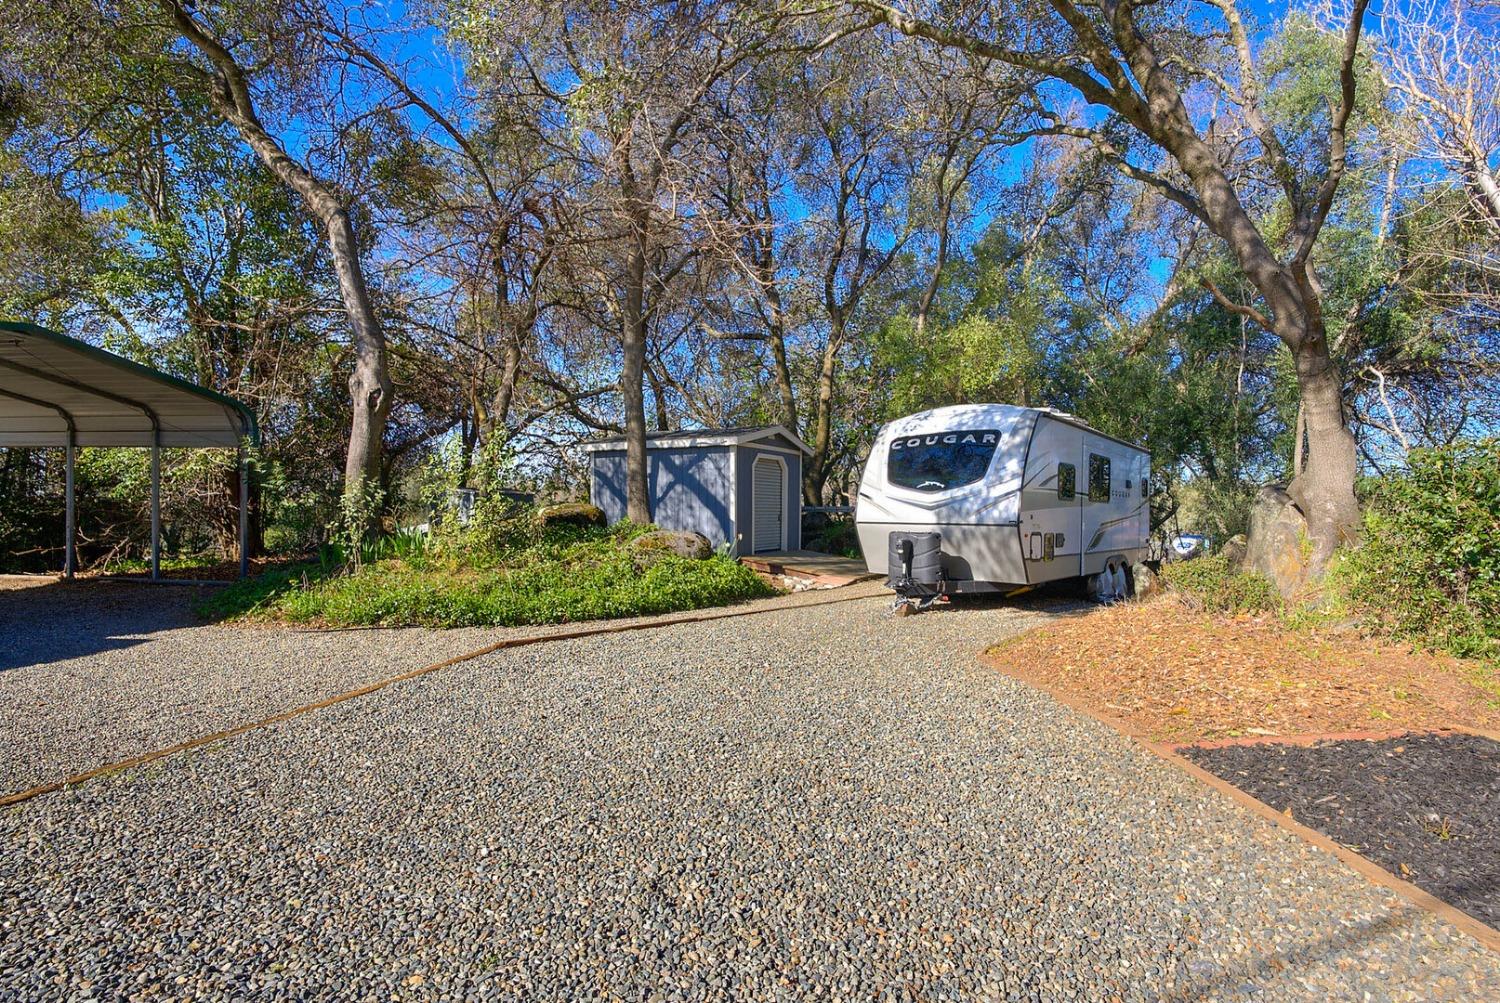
(814, 803)
(94, 672)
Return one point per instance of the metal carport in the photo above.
(57, 391)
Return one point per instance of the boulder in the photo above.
(649, 548)
(1278, 546)
(571, 514)
(1143, 577)
(1233, 550)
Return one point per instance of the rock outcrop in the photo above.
(1143, 576)
(1234, 550)
(649, 548)
(571, 514)
(1278, 546)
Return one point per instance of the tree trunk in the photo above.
(370, 383)
(659, 399)
(1299, 440)
(816, 474)
(632, 375)
(1324, 489)
(929, 292)
(468, 438)
(764, 249)
(783, 374)
(505, 392)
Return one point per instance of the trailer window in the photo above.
(941, 460)
(1067, 481)
(1098, 478)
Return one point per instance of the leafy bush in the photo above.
(1214, 584)
(553, 575)
(1429, 569)
(253, 595)
(838, 536)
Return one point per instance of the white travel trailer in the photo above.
(991, 497)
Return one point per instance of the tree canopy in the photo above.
(453, 239)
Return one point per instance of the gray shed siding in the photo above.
(703, 489)
(690, 488)
(744, 467)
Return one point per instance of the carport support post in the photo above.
(70, 518)
(244, 462)
(156, 510)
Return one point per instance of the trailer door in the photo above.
(1051, 502)
(1114, 502)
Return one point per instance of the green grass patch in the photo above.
(557, 575)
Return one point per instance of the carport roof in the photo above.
(50, 383)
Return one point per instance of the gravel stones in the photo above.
(93, 673)
(814, 803)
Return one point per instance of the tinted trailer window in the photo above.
(941, 460)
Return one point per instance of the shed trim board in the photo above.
(761, 446)
(59, 392)
(734, 502)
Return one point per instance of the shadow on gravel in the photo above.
(56, 621)
(1052, 597)
(1212, 980)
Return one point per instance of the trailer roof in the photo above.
(967, 415)
(53, 386)
(1077, 422)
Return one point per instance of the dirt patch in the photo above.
(1425, 807)
(1177, 675)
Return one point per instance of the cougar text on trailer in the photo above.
(993, 497)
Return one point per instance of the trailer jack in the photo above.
(907, 605)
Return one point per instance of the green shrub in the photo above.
(1211, 582)
(557, 574)
(260, 593)
(1429, 568)
(838, 536)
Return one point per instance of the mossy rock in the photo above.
(1278, 545)
(1234, 550)
(649, 548)
(571, 514)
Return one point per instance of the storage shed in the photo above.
(740, 486)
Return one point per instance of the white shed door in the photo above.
(769, 505)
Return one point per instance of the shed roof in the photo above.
(741, 436)
(50, 383)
